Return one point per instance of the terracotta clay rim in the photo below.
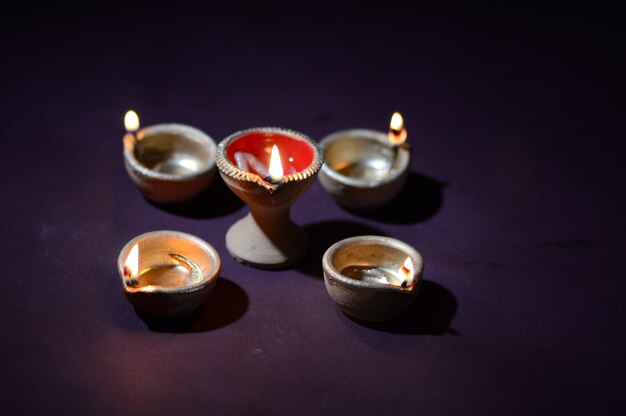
(208, 277)
(415, 255)
(230, 169)
(189, 132)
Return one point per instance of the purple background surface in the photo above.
(516, 201)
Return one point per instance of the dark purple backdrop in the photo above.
(515, 199)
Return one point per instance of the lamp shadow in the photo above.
(324, 234)
(215, 201)
(427, 191)
(226, 305)
(430, 314)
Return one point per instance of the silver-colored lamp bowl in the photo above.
(371, 298)
(176, 273)
(361, 170)
(170, 162)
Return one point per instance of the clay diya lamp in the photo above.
(268, 168)
(168, 274)
(365, 169)
(372, 278)
(169, 163)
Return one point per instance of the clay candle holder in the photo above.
(372, 278)
(168, 162)
(168, 273)
(364, 168)
(266, 237)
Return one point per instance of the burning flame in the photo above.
(397, 132)
(276, 167)
(406, 271)
(131, 121)
(131, 265)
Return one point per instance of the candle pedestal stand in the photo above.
(266, 237)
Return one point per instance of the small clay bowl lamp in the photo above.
(268, 168)
(365, 169)
(372, 278)
(169, 163)
(168, 274)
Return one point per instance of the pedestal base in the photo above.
(279, 249)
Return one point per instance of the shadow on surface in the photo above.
(324, 234)
(225, 305)
(420, 199)
(430, 314)
(216, 201)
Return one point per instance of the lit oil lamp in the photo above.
(372, 278)
(168, 273)
(168, 162)
(366, 168)
(268, 168)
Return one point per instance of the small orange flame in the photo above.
(131, 121)
(131, 265)
(276, 172)
(397, 133)
(406, 271)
